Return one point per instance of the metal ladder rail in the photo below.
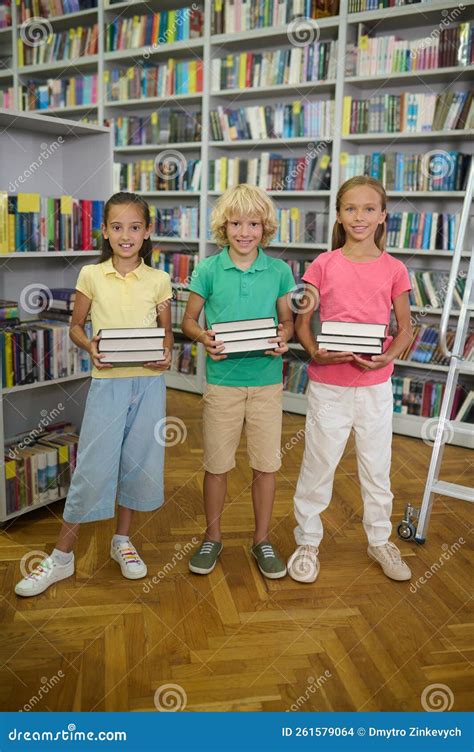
(456, 366)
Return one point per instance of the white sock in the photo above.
(60, 557)
(118, 539)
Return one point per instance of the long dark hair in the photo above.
(120, 199)
(338, 231)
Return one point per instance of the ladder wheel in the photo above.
(406, 530)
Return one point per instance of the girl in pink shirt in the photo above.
(358, 281)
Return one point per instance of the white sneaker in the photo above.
(303, 564)
(390, 559)
(44, 575)
(132, 566)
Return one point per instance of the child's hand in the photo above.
(375, 362)
(213, 346)
(96, 355)
(330, 358)
(160, 365)
(282, 345)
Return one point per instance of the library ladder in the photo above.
(457, 365)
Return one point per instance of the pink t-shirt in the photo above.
(358, 292)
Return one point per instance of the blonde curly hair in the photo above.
(244, 200)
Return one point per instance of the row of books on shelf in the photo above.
(272, 172)
(165, 175)
(59, 92)
(230, 16)
(5, 15)
(441, 170)
(163, 27)
(429, 288)
(184, 358)
(371, 56)
(312, 119)
(413, 396)
(298, 268)
(179, 266)
(30, 223)
(66, 45)
(425, 347)
(38, 351)
(422, 230)
(7, 98)
(39, 468)
(291, 65)
(172, 78)
(51, 8)
(408, 113)
(301, 226)
(359, 6)
(163, 127)
(179, 222)
(178, 306)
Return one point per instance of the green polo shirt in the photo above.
(230, 294)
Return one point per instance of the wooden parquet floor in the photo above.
(353, 640)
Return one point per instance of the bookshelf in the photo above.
(82, 167)
(409, 22)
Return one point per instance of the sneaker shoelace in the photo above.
(43, 568)
(129, 554)
(391, 552)
(267, 551)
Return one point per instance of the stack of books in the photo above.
(348, 336)
(132, 346)
(246, 335)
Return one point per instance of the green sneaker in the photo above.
(205, 558)
(269, 561)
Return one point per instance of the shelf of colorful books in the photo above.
(185, 382)
(37, 384)
(149, 101)
(407, 136)
(460, 73)
(78, 108)
(276, 34)
(307, 87)
(264, 142)
(399, 15)
(177, 48)
(83, 64)
(135, 4)
(49, 254)
(155, 148)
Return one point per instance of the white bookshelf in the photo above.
(411, 21)
(82, 167)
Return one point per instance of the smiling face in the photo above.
(244, 235)
(126, 230)
(361, 213)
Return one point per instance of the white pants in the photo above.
(332, 412)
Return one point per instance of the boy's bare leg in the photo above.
(214, 490)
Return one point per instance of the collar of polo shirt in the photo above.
(259, 264)
(109, 268)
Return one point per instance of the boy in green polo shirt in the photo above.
(241, 282)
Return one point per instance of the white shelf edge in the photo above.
(49, 254)
(137, 148)
(6, 391)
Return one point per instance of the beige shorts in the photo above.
(226, 409)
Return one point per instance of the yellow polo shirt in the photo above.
(128, 301)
